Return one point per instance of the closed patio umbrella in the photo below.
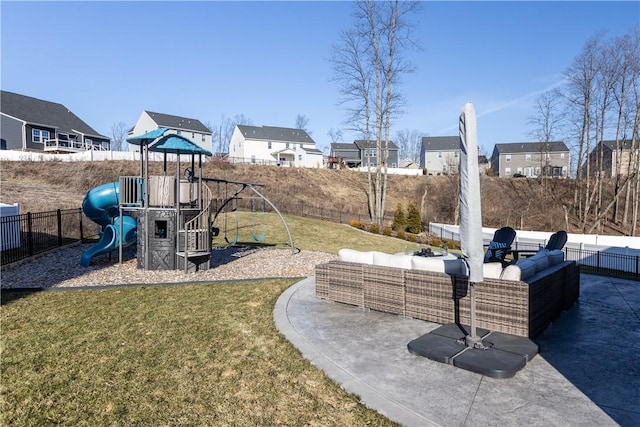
(470, 210)
(494, 354)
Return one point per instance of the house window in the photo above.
(507, 171)
(562, 155)
(527, 157)
(508, 157)
(253, 158)
(193, 135)
(455, 154)
(38, 135)
(88, 142)
(203, 138)
(300, 157)
(178, 132)
(287, 146)
(269, 145)
(439, 154)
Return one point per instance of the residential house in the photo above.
(607, 151)
(363, 153)
(440, 154)
(270, 145)
(407, 163)
(33, 124)
(191, 129)
(531, 159)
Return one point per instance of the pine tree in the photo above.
(413, 221)
(399, 220)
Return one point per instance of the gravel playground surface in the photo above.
(61, 268)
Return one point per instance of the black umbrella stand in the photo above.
(494, 354)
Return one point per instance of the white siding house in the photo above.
(268, 145)
(192, 129)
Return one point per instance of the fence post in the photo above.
(29, 234)
(59, 217)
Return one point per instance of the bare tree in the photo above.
(602, 100)
(335, 135)
(410, 143)
(368, 63)
(579, 94)
(302, 122)
(223, 131)
(118, 136)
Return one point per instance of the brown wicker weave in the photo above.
(513, 307)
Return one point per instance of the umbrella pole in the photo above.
(472, 340)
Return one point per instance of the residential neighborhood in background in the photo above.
(192, 129)
(361, 153)
(269, 145)
(31, 124)
(34, 125)
(604, 157)
(531, 159)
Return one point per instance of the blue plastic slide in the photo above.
(100, 205)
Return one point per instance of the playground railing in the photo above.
(197, 236)
(33, 233)
(131, 191)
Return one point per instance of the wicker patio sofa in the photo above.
(518, 299)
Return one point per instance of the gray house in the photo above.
(607, 152)
(531, 159)
(440, 154)
(32, 124)
(361, 152)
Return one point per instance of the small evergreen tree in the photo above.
(413, 221)
(399, 220)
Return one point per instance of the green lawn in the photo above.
(172, 355)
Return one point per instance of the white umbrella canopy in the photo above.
(470, 208)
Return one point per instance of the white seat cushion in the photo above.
(492, 270)
(448, 266)
(389, 260)
(351, 255)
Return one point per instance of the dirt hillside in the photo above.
(528, 204)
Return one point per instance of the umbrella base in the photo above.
(502, 356)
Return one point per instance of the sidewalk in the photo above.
(586, 373)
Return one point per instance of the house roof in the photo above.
(361, 143)
(343, 146)
(40, 112)
(177, 122)
(611, 144)
(531, 147)
(272, 133)
(408, 163)
(312, 150)
(440, 143)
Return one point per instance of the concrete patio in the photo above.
(586, 373)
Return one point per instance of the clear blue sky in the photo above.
(109, 61)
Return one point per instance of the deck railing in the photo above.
(56, 144)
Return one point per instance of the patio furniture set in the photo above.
(520, 298)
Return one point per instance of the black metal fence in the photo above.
(605, 262)
(25, 235)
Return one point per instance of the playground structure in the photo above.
(171, 217)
